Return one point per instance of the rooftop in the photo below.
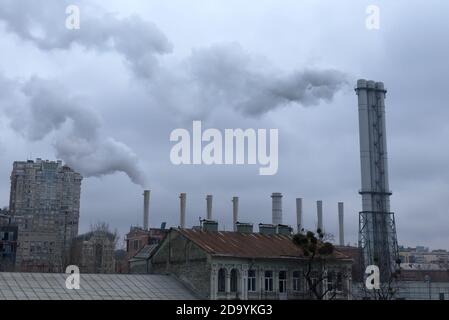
(51, 286)
(246, 245)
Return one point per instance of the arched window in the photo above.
(221, 280)
(234, 280)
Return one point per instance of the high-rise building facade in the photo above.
(45, 204)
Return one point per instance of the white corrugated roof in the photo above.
(51, 286)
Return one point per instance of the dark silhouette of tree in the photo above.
(318, 252)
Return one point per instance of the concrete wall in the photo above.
(183, 259)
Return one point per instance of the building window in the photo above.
(339, 285)
(269, 281)
(251, 280)
(334, 281)
(221, 280)
(282, 281)
(234, 280)
(296, 281)
(330, 281)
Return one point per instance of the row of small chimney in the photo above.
(276, 214)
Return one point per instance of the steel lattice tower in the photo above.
(377, 230)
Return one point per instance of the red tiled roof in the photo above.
(247, 245)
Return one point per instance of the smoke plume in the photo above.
(40, 109)
(138, 41)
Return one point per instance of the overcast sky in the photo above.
(105, 98)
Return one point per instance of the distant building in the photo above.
(8, 247)
(137, 238)
(421, 257)
(44, 203)
(140, 263)
(243, 265)
(416, 281)
(94, 252)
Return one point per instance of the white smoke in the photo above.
(43, 23)
(40, 108)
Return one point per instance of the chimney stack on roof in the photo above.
(319, 211)
(235, 212)
(182, 217)
(209, 206)
(277, 208)
(146, 209)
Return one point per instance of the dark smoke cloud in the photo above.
(40, 108)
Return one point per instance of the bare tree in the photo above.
(103, 227)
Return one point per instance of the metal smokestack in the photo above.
(277, 208)
(319, 212)
(235, 212)
(209, 207)
(340, 224)
(182, 216)
(299, 213)
(146, 209)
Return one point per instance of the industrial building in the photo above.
(240, 264)
(44, 204)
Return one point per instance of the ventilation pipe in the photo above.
(146, 209)
(319, 211)
(209, 207)
(341, 231)
(235, 212)
(299, 214)
(277, 208)
(182, 217)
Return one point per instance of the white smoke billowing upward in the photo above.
(229, 74)
(218, 77)
(78, 139)
(139, 42)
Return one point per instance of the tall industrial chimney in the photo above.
(277, 208)
(182, 216)
(235, 212)
(299, 214)
(341, 230)
(146, 209)
(377, 230)
(319, 212)
(209, 206)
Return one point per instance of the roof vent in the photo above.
(284, 230)
(244, 227)
(267, 228)
(209, 225)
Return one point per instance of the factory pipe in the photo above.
(182, 217)
(209, 207)
(146, 209)
(299, 214)
(341, 224)
(276, 208)
(235, 212)
(319, 211)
